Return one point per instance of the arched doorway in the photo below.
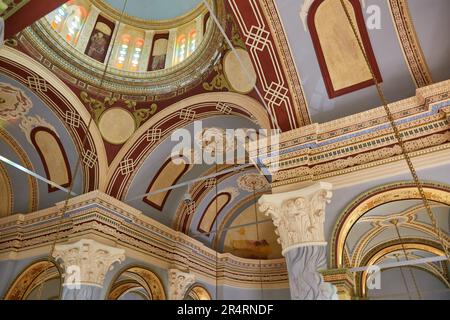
(136, 283)
(40, 281)
(197, 292)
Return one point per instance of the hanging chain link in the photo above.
(399, 138)
(395, 223)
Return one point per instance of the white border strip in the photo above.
(401, 263)
(31, 173)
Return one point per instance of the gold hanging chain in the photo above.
(258, 239)
(395, 223)
(78, 163)
(404, 278)
(405, 153)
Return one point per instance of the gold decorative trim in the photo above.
(98, 216)
(25, 281)
(151, 283)
(280, 38)
(409, 43)
(370, 199)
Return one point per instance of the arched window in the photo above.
(53, 157)
(28, 284)
(137, 51)
(343, 66)
(214, 208)
(73, 23)
(197, 292)
(159, 52)
(68, 20)
(168, 175)
(123, 51)
(58, 17)
(181, 52)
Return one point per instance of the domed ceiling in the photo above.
(155, 9)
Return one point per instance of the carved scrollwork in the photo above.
(179, 283)
(298, 216)
(219, 82)
(87, 261)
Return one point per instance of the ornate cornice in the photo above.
(360, 141)
(97, 215)
(86, 261)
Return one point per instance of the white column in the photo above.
(171, 44)
(88, 27)
(179, 283)
(85, 265)
(299, 218)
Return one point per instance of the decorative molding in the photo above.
(29, 123)
(106, 219)
(412, 51)
(261, 29)
(298, 216)
(360, 141)
(252, 182)
(87, 261)
(14, 103)
(343, 280)
(179, 283)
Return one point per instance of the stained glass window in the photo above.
(192, 42)
(181, 49)
(58, 17)
(136, 54)
(68, 20)
(123, 51)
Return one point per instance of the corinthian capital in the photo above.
(179, 283)
(298, 215)
(87, 261)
